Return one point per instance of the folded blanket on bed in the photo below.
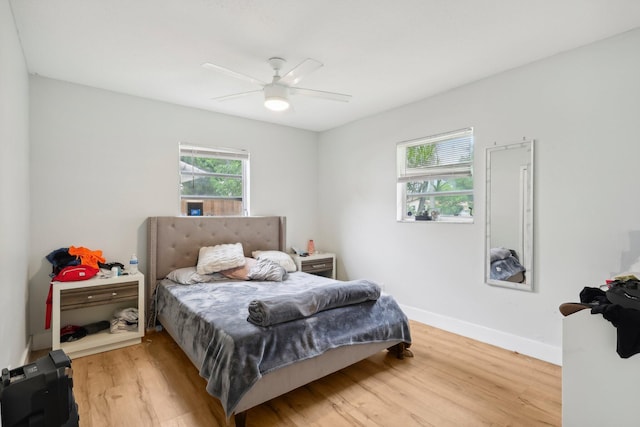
(284, 308)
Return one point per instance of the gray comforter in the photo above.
(210, 323)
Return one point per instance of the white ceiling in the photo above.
(384, 53)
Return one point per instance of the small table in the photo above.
(321, 264)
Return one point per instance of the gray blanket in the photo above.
(284, 308)
(210, 325)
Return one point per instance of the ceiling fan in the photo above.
(276, 93)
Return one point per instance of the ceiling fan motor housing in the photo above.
(276, 64)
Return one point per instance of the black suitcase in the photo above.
(39, 394)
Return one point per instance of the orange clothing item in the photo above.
(87, 256)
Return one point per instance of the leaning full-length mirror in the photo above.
(509, 216)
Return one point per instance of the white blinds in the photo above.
(440, 156)
(218, 153)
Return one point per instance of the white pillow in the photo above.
(282, 258)
(212, 259)
(189, 276)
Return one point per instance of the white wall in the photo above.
(14, 193)
(582, 108)
(103, 162)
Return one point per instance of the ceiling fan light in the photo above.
(276, 98)
(275, 103)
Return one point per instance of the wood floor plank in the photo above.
(451, 381)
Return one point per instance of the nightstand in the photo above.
(321, 264)
(87, 301)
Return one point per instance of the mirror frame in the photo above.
(525, 203)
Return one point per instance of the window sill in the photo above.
(449, 220)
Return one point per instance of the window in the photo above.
(435, 180)
(213, 181)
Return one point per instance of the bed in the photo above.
(174, 243)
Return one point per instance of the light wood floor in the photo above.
(451, 381)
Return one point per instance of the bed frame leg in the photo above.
(240, 419)
(401, 350)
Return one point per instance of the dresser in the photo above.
(88, 301)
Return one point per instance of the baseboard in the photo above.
(536, 349)
(26, 354)
(41, 340)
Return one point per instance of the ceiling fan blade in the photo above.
(231, 73)
(235, 95)
(294, 76)
(320, 94)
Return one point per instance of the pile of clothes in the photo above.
(73, 333)
(124, 320)
(619, 302)
(505, 265)
(65, 257)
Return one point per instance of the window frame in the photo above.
(185, 149)
(458, 169)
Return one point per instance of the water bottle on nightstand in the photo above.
(133, 264)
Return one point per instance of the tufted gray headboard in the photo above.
(174, 242)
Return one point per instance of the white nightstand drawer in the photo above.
(316, 265)
(97, 295)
